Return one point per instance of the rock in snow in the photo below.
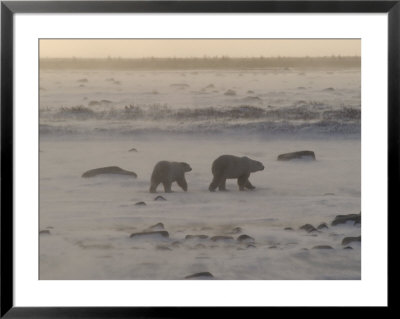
(108, 170)
(245, 239)
(158, 226)
(196, 237)
(159, 197)
(200, 275)
(308, 228)
(322, 226)
(221, 238)
(343, 219)
(140, 204)
(297, 155)
(348, 240)
(150, 234)
(322, 247)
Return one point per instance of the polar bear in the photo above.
(168, 172)
(230, 166)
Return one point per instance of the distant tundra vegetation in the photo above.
(224, 62)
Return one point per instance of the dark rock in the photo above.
(176, 244)
(140, 204)
(297, 155)
(328, 89)
(348, 240)
(158, 226)
(94, 103)
(288, 228)
(308, 228)
(230, 93)
(180, 85)
(83, 80)
(159, 197)
(221, 238)
(150, 234)
(161, 247)
(348, 247)
(272, 247)
(249, 99)
(200, 275)
(133, 150)
(322, 247)
(44, 232)
(322, 226)
(251, 245)
(236, 230)
(196, 237)
(343, 219)
(245, 239)
(108, 170)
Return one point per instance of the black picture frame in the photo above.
(9, 8)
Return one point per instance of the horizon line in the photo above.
(206, 57)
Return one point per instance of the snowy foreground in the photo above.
(90, 220)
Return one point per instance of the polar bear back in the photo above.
(167, 171)
(234, 166)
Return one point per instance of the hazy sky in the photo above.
(129, 48)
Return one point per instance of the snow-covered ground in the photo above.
(257, 101)
(91, 219)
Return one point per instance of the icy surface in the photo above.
(91, 219)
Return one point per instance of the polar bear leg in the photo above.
(213, 185)
(153, 187)
(182, 183)
(248, 185)
(242, 180)
(167, 187)
(218, 178)
(222, 185)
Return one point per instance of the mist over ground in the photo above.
(224, 62)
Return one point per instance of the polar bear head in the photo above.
(186, 167)
(255, 166)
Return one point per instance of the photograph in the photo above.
(199, 159)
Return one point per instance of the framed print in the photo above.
(163, 155)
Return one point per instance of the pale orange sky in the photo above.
(132, 48)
